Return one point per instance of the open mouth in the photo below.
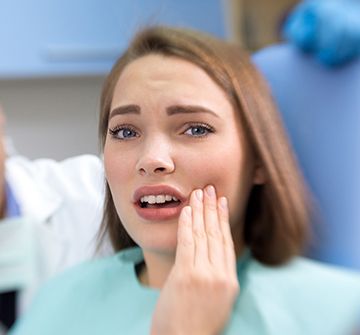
(159, 201)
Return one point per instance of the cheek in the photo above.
(215, 173)
(117, 173)
(228, 170)
(118, 168)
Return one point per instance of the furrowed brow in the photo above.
(178, 109)
(122, 110)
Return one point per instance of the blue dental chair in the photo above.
(320, 107)
(315, 80)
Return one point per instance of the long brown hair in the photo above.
(278, 212)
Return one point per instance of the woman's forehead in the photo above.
(168, 78)
(156, 66)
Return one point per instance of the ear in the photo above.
(259, 175)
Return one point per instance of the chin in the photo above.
(161, 244)
(153, 237)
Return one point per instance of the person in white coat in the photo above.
(51, 212)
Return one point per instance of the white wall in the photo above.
(54, 118)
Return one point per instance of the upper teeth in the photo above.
(158, 199)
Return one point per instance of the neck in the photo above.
(159, 264)
(157, 268)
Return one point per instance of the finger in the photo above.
(212, 227)
(201, 253)
(223, 211)
(185, 249)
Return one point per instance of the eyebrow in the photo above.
(179, 109)
(172, 110)
(127, 109)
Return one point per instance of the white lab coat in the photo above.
(63, 201)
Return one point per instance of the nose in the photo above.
(155, 159)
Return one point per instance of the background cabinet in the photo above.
(41, 38)
(54, 55)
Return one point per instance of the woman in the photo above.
(201, 178)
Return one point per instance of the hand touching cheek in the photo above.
(201, 289)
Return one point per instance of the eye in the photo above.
(123, 132)
(199, 130)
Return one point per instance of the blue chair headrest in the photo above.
(320, 107)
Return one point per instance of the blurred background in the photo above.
(55, 54)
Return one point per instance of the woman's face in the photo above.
(172, 129)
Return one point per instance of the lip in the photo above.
(158, 214)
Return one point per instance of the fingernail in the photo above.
(210, 190)
(223, 203)
(199, 194)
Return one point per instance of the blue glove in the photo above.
(330, 29)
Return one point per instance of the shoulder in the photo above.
(315, 275)
(68, 296)
(301, 269)
(303, 278)
(107, 272)
(78, 279)
(305, 293)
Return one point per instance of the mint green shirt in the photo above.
(105, 297)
